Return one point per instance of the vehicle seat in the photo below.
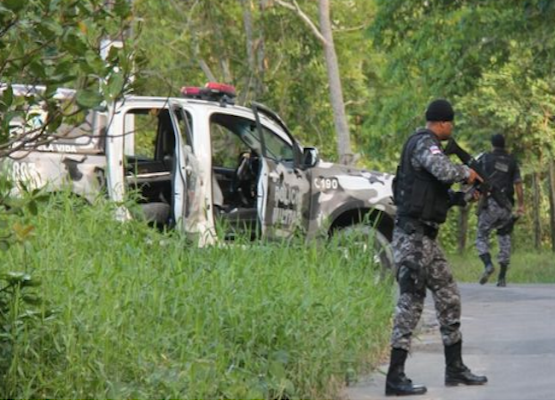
(157, 213)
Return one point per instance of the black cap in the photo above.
(440, 110)
(498, 140)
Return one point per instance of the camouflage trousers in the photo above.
(494, 217)
(409, 249)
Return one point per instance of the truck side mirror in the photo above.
(310, 157)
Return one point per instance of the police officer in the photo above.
(423, 196)
(504, 173)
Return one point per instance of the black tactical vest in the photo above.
(419, 194)
(500, 168)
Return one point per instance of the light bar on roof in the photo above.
(212, 91)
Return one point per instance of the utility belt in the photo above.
(411, 225)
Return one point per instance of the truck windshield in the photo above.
(245, 129)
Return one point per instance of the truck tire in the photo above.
(366, 238)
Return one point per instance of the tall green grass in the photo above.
(140, 314)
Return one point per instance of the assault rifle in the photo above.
(486, 187)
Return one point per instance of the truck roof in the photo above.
(23, 90)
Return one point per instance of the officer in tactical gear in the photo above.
(504, 173)
(423, 196)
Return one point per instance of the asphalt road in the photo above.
(508, 335)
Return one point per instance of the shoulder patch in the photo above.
(435, 149)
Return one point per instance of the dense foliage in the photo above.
(282, 64)
(495, 60)
(58, 44)
(131, 313)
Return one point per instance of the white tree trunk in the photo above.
(324, 34)
(255, 54)
(336, 91)
(249, 79)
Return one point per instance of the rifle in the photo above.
(486, 187)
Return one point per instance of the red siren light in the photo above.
(188, 91)
(212, 91)
(221, 87)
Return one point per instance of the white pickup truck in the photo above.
(199, 162)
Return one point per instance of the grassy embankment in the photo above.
(138, 314)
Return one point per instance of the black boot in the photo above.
(397, 383)
(456, 372)
(501, 282)
(489, 269)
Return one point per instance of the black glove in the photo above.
(457, 199)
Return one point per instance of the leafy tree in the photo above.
(54, 44)
(495, 60)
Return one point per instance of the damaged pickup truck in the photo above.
(203, 165)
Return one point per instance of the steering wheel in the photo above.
(244, 177)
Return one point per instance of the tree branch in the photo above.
(295, 7)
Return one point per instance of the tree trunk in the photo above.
(552, 202)
(255, 53)
(195, 46)
(463, 229)
(325, 35)
(536, 209)
(247, 22)
(261, 55)
(219, 47)
(336, 91)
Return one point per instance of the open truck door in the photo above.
(188, 209)
(284, 188)
(164, 172)
(115, 160)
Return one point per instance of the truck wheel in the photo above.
(369, 240)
